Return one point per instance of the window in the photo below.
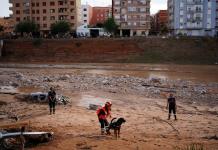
(44, 11)
(33, 11)
(85, 15)
(33, 4)
(84, 9)
(38, 18)
(17, 19)
(52, 18)
(71, 2)
(52, 3)
(44, 25)
(43, 3)
(37, 11)
(52, 10)
(61, 3)
(37, 4)
(17, 4)
(72, 17)
(17, 12)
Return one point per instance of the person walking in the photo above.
(171, 106)
(103, 113)
(52, 100)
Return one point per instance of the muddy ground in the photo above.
(138, 93)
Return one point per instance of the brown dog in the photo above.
(116, 126)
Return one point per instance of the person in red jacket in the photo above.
(103, 113)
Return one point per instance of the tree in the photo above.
(163, 29)
(26, 27)
(60, 27)
(110, 25)
(99, 25)
(1, 28)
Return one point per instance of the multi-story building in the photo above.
(47, 12)
(160, 21)
(192, 17)
(86, 14)
(217, 18)
(100, 14)
(132, 16)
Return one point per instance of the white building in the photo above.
(192, 17)
(83, 31)
(86, 14)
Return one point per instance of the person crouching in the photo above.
(103, 113)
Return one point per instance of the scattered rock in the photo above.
(65, 77)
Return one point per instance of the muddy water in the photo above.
(174, 72)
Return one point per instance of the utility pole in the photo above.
(112, 8)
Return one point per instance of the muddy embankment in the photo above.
(141, 50)
(138, 93)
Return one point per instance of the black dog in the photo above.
(116, 125)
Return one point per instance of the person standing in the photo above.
(22, 139)
(52, 100)
(103, 113)
(171, 105)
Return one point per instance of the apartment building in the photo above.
(86, 14)
(100, 14)
(47, 12)
(217, 18)
(160, 20)
(192, 17)
(132, 16)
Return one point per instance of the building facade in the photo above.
(217, 18)
(192, 17)
(86, 14)
(47, 12)
(100, 15)
(132, 17)
(161, 21)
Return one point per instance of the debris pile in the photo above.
(149, 87)
(40, 97)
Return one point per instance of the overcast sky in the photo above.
(155, 5)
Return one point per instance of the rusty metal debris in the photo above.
(11, 140)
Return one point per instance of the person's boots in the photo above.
(53, 110)
(175, 117)
(102, 131)
(169, 117)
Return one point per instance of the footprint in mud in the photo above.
(84, 146)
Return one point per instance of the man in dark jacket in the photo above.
(171, 105)
(52, 100)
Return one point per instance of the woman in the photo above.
(103, 113)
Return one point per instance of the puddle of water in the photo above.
(86, 100)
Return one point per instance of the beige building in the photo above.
(47, 12)
(132, 16)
